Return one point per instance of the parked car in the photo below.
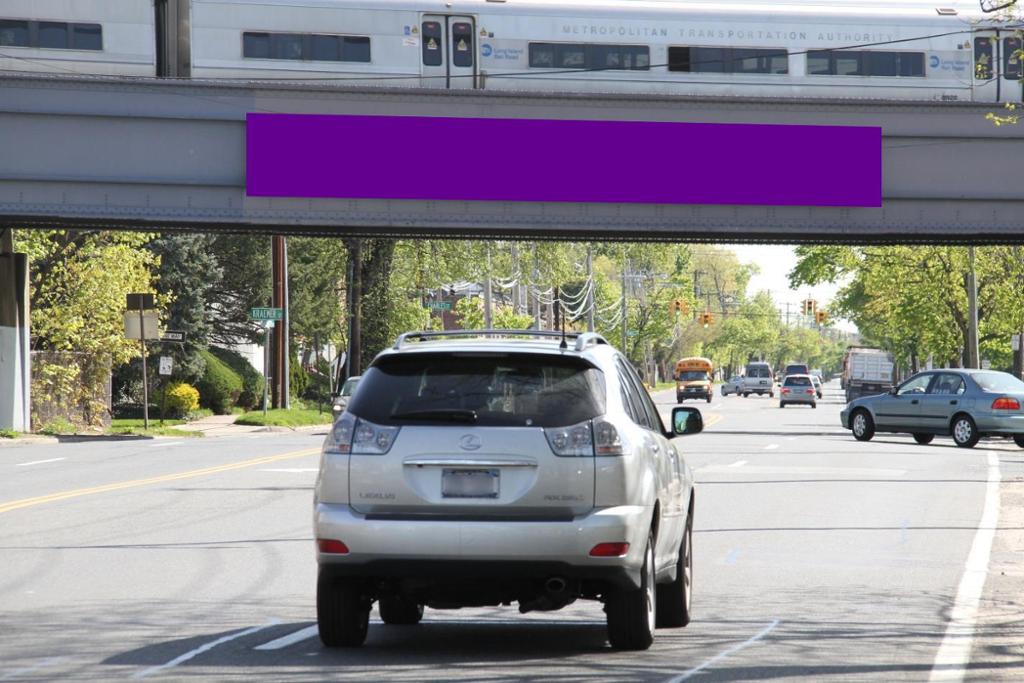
(732, 386)
(797, 389)
(816, 381)
(965, 404)
(758, 380)
(477, 468)
(342, 398)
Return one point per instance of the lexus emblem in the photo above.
(470, 442)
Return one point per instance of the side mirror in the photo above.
(686, 421)
(893, 390)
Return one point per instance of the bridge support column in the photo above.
(15, 361)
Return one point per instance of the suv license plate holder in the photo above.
(470, 483)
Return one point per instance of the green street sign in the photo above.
(438, 305)
(632, 333)
(266, 314)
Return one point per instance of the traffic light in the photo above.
(707, 318)
(820, 317)
(809, 306)
(679, 306)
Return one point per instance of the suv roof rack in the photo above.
(583, 339)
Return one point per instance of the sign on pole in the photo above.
(274, 314)
(143, 301)
(150, 325)
(986, 364)
(1015, 342)
(172, 336)
(166, 365)
(438, 305)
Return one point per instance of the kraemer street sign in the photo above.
(438, 305)
(266, 314)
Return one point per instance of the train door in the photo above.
(448, 48)
(997, 67)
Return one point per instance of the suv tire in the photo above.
(923, 438)
(630, 613)
(1019, 440)
(396, 610)
(342, 612)
(673, 599)
(965, 432)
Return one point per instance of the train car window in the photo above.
(256, 45)
(847, 63)
(86, 36)
(462, 44)
(1011, 58)
(679, 59)
(13, 33)
(325, 48)
(286, 46)
(542, 56)
(895, 63)
(597, 56)
(53, 34)
(819, 62)
(355, 49)
(983, 58)
(710, 60)
(753, 61)
(433, 43)
(571, 57)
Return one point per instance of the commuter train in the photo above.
(902, 49)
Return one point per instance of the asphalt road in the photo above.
(817, 558)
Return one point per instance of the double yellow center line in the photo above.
(76, 493)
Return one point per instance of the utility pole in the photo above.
(536, 288)
(590, 284)
(279, 270)
(515, 274)
(354, 357)
(1018, 353)
(973, 359)
(488, 322)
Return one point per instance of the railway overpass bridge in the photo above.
(79, 152)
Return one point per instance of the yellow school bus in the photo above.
(693, 379)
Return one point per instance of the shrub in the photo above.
(252, 381)
(180, 399)
(299, 379)
(219, 387)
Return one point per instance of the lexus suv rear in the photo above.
(481, 469)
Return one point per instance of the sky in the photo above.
(775, 261)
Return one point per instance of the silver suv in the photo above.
(491, 468)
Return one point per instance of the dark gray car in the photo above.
(964, 404)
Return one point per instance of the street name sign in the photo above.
(438, 305)
(266, 314)
(172, 336)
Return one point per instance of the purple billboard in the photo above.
(539, 160)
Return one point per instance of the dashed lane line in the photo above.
(38, 462)
(771, 447)
(205, 647)
(738, 463)
(134, 483)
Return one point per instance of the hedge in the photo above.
(219, 387)
(252, 381)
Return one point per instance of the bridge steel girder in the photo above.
(167, 154)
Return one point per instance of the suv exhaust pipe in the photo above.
(556, 585)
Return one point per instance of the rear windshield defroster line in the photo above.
(495, 389)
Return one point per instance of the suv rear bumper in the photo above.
(409, 548)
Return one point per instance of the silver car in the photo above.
(798, 389)
(491, 468)
(345, 395)
(964, 404)
(732, 386)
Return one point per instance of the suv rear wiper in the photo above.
(439, 415)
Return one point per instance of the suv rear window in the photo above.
(797, 370)
(758, 371)
(484, 389)
(798, 382)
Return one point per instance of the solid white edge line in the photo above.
(290, 639)
(725, 653)
(771, 447)
(738, 463)
(203, 648)
(955, 652)
(37, 462)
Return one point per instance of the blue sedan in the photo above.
(964, 404)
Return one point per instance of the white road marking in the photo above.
(289, 639)
(164, 443)
(50, 661)
(38, 462)
(725, 653)
(292, 470)
(838, 472)
(203, 648)
(771, 447)
(955, 652)
(738, 463)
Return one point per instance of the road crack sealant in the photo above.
(726, 653)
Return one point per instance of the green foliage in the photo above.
(252, 381)
(58, 426)
(219, 387)
(8, 434)
(180, 398)
(293, 417)
(299, 380)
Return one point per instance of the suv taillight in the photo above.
(1005, 403)
(359, 437)
(571, 441)
(606, 438)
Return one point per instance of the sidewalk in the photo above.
(224, 425)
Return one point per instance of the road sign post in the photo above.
(267, 317)
(141, 302)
